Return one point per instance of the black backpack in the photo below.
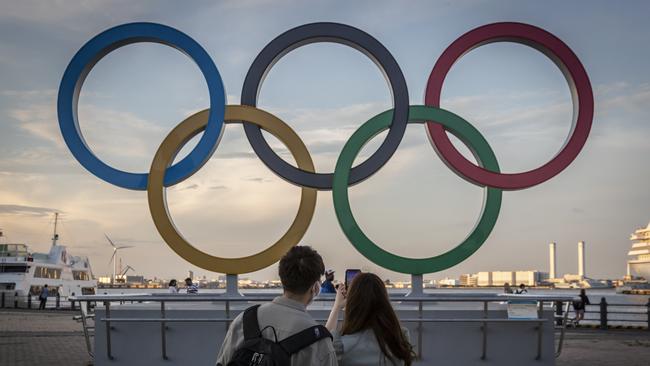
(259, 351)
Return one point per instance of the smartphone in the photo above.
(349, 276)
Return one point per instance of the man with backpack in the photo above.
(282, 333)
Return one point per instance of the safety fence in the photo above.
(604, 315)
(14, 300)
(417, 304)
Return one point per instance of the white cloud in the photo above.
(22, 210)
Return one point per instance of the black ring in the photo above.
(336, 33)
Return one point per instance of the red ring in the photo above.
(561, 55)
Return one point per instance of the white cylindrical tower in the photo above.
(551, 269)
(581, 259)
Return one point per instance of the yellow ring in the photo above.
(165, 155)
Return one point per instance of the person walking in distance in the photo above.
(328, 286)
(521, 290)
(191, 288)
(43, 297)
(173, 287)
(580, 306)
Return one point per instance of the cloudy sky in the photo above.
(414, 206)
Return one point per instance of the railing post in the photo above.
(420, 328)
(484, 331)
(162, 331)
(107, 307)
(16, 300)
(2, 303)
(58, 300)
(648, 306)
(29, 301)
(558, 312)
(603, 314)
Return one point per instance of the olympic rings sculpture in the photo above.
(437, 121)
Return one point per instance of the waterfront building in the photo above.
(484, 279)
(639, 262)
(469, 280)
(500, 278)
(448, 282)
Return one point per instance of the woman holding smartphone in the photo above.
(371, 333)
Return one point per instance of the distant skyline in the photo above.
(414, 206)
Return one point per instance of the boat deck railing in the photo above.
(560, 304)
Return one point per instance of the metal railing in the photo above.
(13, 300)
(484, 321)
(611, 314)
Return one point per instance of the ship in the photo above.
(639, 263)
(24, 272)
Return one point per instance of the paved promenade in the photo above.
(29, 338)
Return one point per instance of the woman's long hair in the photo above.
(368, 307)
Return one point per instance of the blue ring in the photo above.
(100, 46)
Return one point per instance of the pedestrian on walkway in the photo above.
(173, 287)
(522, 290)
(43, 297)
(191, 288)
(580, 305)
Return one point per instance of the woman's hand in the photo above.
(339, 303)
(341, 293)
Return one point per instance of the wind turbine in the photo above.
(115, 249)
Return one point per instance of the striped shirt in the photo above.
(192, 289)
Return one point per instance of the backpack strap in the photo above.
(305, 338)
(251, 325)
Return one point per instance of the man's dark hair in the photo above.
(300, 268)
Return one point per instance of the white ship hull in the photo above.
(25, 273)
(640, 269)
(639, 254)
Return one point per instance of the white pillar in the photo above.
(232, 285)
(552, 258)
(581, 259)
(417, 285)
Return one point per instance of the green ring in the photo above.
(491, 203)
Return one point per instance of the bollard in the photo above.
(559, 312)
(58, 300)
(2, 302)
(29, 302)
(648, 306)
(603, 313)
(16, 300)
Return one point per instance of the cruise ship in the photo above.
(24, 272)
(639, 263)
